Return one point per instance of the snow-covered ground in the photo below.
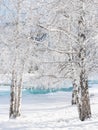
(51, 111)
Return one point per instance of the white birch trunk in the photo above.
(12, 96)
(84, 105)
(74, 93)
(84, 101)
(19, 97)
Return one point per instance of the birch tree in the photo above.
(21, 51)
(24, 51)
(83, 58)
(81, 35)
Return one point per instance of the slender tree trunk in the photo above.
(19, 97)
(12, 96)
(74, 93)
(16, 97)
(84, 106)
